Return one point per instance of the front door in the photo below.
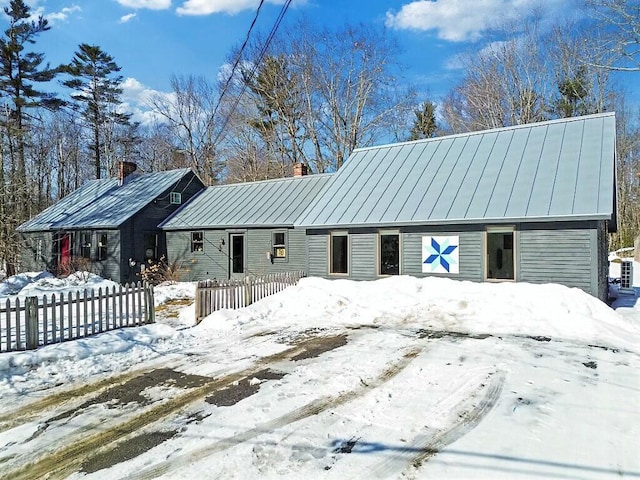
(237, 259)
(65, 250)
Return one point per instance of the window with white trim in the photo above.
(197, 242)
(175, 198)
(279, 244)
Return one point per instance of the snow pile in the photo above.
(438, 304)
(37, 284)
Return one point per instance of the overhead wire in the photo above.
(252, 73)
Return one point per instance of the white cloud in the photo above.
(207, 7)
(150, 4)
(464, 20)
(62, 15)
(126, 18)
(136, 98)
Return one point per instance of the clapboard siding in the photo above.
(317, 254)
(363, 256)
(260, 242)
(562, 256)
(214, 262)
(211, 263)
(471, 258)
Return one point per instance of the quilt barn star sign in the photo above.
(440, 254)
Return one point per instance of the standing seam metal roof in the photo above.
(267, 203)
(560, 170)
(104, 203)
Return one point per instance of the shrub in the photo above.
(161, 271)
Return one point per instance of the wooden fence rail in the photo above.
(213, 295)
(28, 323)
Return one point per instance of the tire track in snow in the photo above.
(68, 459)
(431, 441)
(310, 409)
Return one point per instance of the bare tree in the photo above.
(189, 110)
(507, 83)
(619, 21)
(317, 94)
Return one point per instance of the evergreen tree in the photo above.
(425, 125)
(96, 83)
(20, 70)
(574, 94)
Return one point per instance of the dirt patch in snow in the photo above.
(318, 345)
(242, 389)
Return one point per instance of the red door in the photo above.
(65, 249)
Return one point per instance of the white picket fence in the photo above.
(213, 295)
(30, 322)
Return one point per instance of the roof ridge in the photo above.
(491, 130)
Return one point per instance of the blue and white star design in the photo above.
(440, 254)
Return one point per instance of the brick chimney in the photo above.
(124, 170)
(299, 170)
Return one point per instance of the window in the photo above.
(197, 241)
(339, 253)
(500, 253)
(102, 246)
(85, 244)
(389, 253)
(279, 243)
(175, 198)
(38, 252)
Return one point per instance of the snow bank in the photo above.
(438, 304)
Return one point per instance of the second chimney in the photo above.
(299, 170)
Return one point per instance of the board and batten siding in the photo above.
(565, 256)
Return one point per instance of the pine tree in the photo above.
(20, 70)
(96, 84)
(425, 125)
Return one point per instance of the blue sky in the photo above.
(153, 39)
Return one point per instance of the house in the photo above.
(109, 226)
(230, 231)
(530, 203)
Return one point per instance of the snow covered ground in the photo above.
(397, 378)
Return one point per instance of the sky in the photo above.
(401, 377)
(151, 40)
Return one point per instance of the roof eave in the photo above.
(462, 221)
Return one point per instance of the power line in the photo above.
(238, 58)
(256, 65)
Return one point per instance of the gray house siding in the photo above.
(35, 250)
(471, 257)
(317, 253)
(38, 257)
(567, 256)
(569, 253)
(214, 261)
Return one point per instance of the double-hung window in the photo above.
(85, 244)
(101, 251)
(197, 241)
(279, 245)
